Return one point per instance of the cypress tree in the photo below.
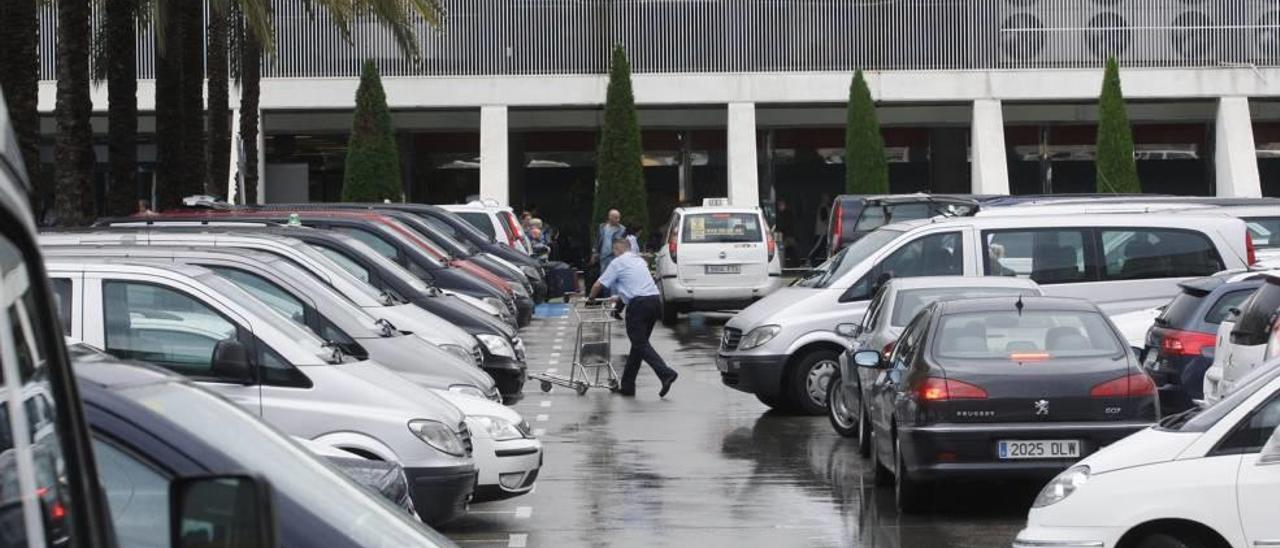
(866, 169)
(373, 163)
(1117, 170)
(619, 166)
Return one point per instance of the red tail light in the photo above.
(939, 389)
(888, 349)
(1128, 386)
(837, 227)
(671, 246)
(1250, 251)
(1186, 343)
(773, 248)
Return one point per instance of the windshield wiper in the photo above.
(1174, 422)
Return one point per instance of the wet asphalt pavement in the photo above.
(708, 467)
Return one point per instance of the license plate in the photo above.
(1039, 449)
(724, 269)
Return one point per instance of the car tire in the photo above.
(670, 315)
(909, 493)
(775, 402)
(810, 377)
(880, 474)
(838, 411)
(1166, 540)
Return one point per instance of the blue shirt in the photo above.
(628, 277)
(606, 237)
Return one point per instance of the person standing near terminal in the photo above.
(608, 231)
(629, 278)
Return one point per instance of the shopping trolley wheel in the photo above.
(614, 385)
(581, 388)
(546, 386)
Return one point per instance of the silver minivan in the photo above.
(784, 347)
(192, 321)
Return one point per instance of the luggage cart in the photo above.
(592, 352)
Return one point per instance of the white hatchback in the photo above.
(716, 258)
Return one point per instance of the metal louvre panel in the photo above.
(465, 434)
(547, 37)
(730, 339)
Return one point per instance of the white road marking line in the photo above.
(480, 540)
(545, 403)
(555, 354)
(552, 362)
(518, 540)
(557, 347)
(551, 370)
(524, 512)
(539, 432)
(542, 418)
(558, 340)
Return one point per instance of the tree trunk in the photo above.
(19, 79)
(169, 169)
(250, 87)
(73, 151)
(193, 131)
(219, 111)
(122, 107)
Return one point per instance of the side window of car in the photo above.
(1136, 254)
(932, 255)
(156, 324)
(346, 263)
(137, 495)
(62, 301)
(372, 240)
(269, 293)
(1252, 433)
(873, 310)
(908, 343)
(1047, 256)
(1221, 309)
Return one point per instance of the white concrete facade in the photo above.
(1235, 154)
(494, 163)
(989, 164)
(744, 174)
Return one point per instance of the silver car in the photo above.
(891, 309)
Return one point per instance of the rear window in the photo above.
(876, 216)
(1265, 231)
(910, 302)
(1029, 336)
(1255, 316)
(480, 220)
(1222, 308)
(707, 228)
(1181, 311)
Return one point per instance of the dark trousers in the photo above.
(642, 314)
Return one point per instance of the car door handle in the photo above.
(1268, 543)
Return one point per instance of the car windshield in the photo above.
(387, 267)
(1180, 312)
(430, 251)
(1030, 335)
(708, 228)
(333, 264)
(911, 301)
(848, 258)
(293, 471)
(480, 220)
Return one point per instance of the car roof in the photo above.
(110, 372)
(717, 209)
(1007, 304)
(1152, 220)
(909, 198)
(961, 281)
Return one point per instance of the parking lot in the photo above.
(709, 466)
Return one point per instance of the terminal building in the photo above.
(746, 98)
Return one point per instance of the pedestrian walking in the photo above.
(628, 277)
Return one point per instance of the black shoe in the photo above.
(621, 392)
(666, 384)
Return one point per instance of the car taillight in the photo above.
(1128, 386)
(1186, 343)
(939, 389)
(888, 349)
(837, 228)
(671, 247)
(773, 247)
(1250, 251)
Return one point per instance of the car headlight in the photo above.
(468, 390)
(759, 336)
(499, 307)
(461, 352)
(439, 436)
(499, 429)
(498, 346)
(1062, 486)
(519, 290)
(531, 272)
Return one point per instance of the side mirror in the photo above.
(231, 361)
(215, 511)
(849, 330)
(869, 359)
(1271, 451)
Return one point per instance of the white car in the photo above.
(1242, 340)
(716, 258)
(1201, 479)
(507, 455)
(495, 221)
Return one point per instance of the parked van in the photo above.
(781, 348)
(495, 221)
(716, 258)
(192, 321)
(854, 216)
(1242, 339)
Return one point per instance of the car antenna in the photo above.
(1019, 305)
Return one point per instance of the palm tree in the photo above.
(19, 81)
(73, 149)
(219, 144)
(116, 59)
(193, 74)
(169, 129)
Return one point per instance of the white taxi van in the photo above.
(717, 257)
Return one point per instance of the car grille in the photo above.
(730, 339)
(477, 355)
(465, 434)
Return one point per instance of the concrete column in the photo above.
(262, 158)
(235, 180)
(1235, 154)
(494, 167)
(744, 172)
(989, 165)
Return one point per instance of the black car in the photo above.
(1180, 345)
(150, 426)
(453, 225)
(1001, 388)
(853, 216)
